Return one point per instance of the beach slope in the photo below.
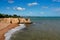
(6, 29)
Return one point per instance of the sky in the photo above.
(30, 7)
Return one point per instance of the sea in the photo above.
(42, 28)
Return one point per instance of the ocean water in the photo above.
(41, 29)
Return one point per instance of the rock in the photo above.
(15, 20)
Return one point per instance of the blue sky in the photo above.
(30, 7)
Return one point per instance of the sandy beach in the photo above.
(5, 29)
(8, 23)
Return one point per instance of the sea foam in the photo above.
(12, 31)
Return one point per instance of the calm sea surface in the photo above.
(41, 29)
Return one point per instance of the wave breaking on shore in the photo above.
(12, 31)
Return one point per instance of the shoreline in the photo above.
(11, 32)
(6, 29)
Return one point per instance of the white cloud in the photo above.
(56, 0)
(10, 1)
(44, 6)
(19, 8)
(7, 7)
(30, 12)
(32, 4)
(56, 9)
(42, 13)
(14, 13)
(16, 8)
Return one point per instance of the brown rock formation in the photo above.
(15, 20)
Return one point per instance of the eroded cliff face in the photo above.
(15, 20)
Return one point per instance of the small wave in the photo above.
(12, 31)
(34, 23)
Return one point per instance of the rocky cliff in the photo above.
(15, 20)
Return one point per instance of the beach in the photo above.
(6, 29)
(8, 25)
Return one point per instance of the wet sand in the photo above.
(6, 29)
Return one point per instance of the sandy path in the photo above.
(3, 31)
